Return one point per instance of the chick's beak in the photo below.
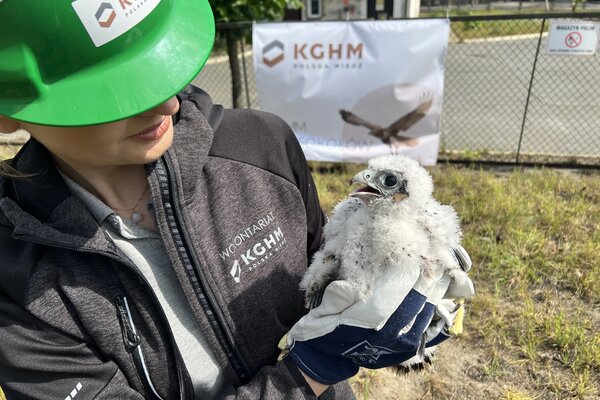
(359, 178)
(366, 191)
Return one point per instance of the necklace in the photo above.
(136, 216)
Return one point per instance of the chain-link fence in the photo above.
(457, 6)
(506, 99)
(216, 77)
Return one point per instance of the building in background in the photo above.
(359, 9)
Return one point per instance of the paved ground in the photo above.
(486, 93)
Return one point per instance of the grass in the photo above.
(480, 29)
(532, 329)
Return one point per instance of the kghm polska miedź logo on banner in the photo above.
(273, 53)
(316, 55)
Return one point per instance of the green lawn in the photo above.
(481, 29)
(532, 329)
(466, 30)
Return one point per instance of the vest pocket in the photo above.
(132, 342)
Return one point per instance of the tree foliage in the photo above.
(576, 3)
(251, 10)
(244, 10)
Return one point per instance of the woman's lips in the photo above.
(156, 131)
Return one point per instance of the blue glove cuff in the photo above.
(337, 356)
(326, 370)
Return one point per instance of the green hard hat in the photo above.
(86, 62)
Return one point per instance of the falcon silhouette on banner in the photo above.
(390, 135)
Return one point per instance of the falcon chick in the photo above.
(391, 221)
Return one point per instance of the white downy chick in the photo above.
(391, 221)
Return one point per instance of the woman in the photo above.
(151, 242)
(139, 263)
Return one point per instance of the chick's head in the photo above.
(393, 178)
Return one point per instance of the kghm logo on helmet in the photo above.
(105, 15)
(273, 53)
(130, 8)
(106, 20)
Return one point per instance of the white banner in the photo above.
(358, 89)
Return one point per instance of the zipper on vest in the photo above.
(132, 341)
(184, 384)
(130, 337)
(189, 259)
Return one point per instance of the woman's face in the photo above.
(136, 140)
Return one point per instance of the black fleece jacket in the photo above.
(239, 215)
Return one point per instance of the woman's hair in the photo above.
(8, 171)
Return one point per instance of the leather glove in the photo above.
(402, 319)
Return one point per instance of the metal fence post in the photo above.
(242, 42)
(537, 52)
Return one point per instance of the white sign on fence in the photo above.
(357, 89)
(573, 37)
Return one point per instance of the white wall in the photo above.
(334, 10)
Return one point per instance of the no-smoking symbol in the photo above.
(573, 40)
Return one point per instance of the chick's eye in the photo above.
(390, 181)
